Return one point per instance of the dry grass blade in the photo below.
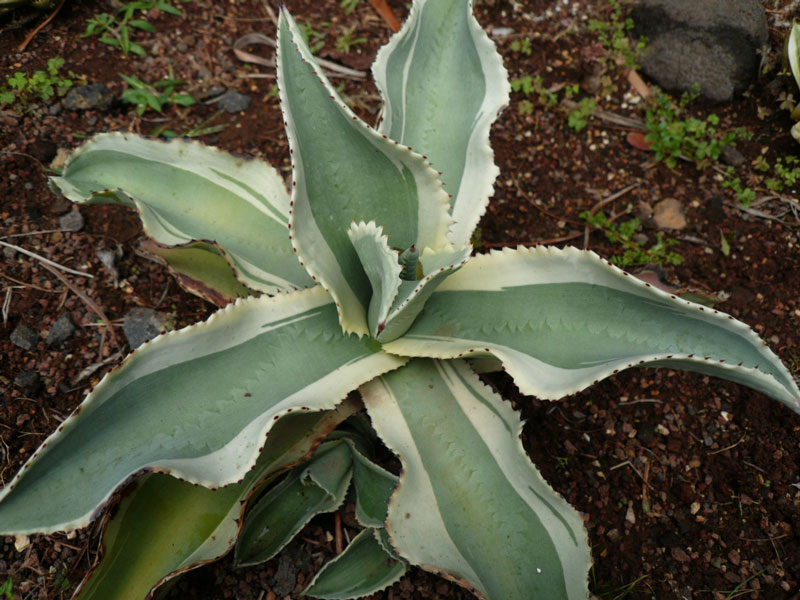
(261, 39)
(45, 261)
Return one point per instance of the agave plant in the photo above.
(361, 279)
(793, 54)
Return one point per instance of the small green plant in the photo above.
(116, 29)
(522, 46)
(787, 174)
(528, 85)
(345, 41)
(523, 85)
(634, 254)
(614, 36)
(41, 86)
(744, 194)
(154, 95)
(525, 107)
(578, 118)
(205, 128)
(348, 6)
(315, 38)
(7, 589)
(672, 135)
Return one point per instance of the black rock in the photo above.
(24, 337)
(285, 576)
(141, 325)
(233, 102)
(85, 97)
(713, 43)
(62, 329)
(28, 381)
(731, 156)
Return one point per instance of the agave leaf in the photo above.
(344, 171)
(436, 266)
(381, 266)
(470, 505)
(444, 83)
(374, 486)
(363, 568)
(164, 526)
(570, 319)
(185, 191)
(201, 268)
(285, 509)
(196, 403)
(793, 51)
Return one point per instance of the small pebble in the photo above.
(143, 324)
(62, 329)
(731, 156)
(72, 221)
(24, 337)
(233, 102)
(28, 381)
(85, 97)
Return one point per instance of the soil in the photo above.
(689, 485)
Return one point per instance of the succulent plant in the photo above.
(793, 54)
(363, 280)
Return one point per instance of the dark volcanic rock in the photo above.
(28, 381)
(142, 325)
(712, 43)
(62, 329)
(85, 97)
(24, 337)
(233, 102)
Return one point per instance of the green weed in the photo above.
(615, 38)
(154, 95)
(634, 254)
(348, 6)
(314, 38)
(578, 118)
(345, 41)
(23, 89)
(787, 171)
(116, 29)
(528, 85)
(672, 134)
(7, 589)
(522, 46)
(744, 195)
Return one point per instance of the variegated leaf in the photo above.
(435, 267)
(444, 83)
(381, 265)
(196, 403)
(363, 568)
(201, 268)
(318, 487)
(164, 527)
(470, 505)
(344, 171)
(186, 191)
(569, 319)
(793, 51)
